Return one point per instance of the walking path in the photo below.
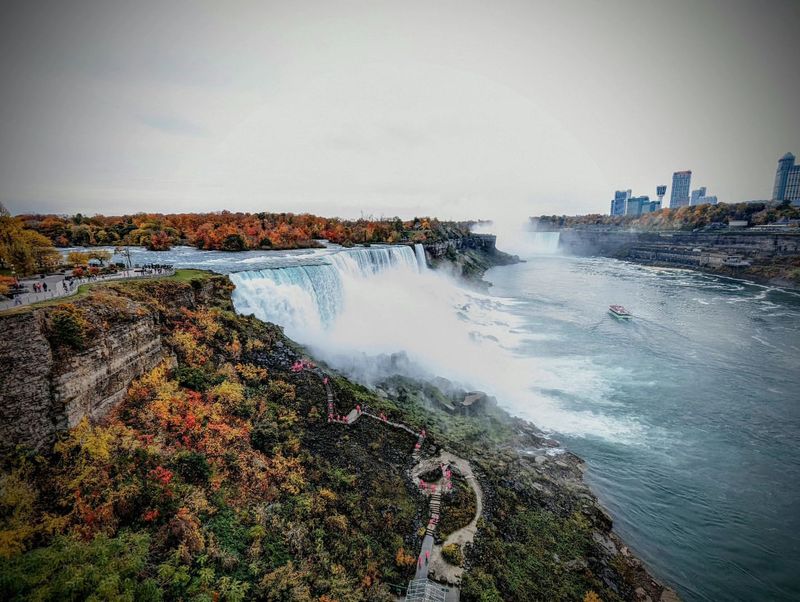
(430, 560)
(56, 290)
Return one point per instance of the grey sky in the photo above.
(458, 109)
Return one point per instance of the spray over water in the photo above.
(377, 311)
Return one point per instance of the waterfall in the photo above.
(543, 243)
(422, 261)
(307, 297)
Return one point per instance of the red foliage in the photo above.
(161, 475)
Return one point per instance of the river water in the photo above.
(705, 484)
(688, 415)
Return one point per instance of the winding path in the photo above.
(429, 561)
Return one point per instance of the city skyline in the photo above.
(786, 187)
(461, 110)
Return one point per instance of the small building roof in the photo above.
(472, 398)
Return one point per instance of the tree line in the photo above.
(229, 231)
(683, 218)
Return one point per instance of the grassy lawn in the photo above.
(83, 289)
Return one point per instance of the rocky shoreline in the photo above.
(538, 469)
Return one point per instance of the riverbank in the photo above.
(765, 257)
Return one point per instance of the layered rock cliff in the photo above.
(468, 256)
(76, 358)
(756, 255)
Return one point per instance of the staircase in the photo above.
(435, 505)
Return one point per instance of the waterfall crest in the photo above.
(544, 243)
(308, 296)
(422, 261)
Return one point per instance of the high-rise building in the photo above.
(638, 205)
(661, 190)
(696, 194)
(793, 186)
(785, 165)
(681, 182)
(787, 180)
(618, 205)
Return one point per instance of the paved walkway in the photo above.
(56, 290)
(438, 565)
(430, 558)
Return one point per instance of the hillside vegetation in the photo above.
(218, 477)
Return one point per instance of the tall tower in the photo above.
(661, 190)
(785, 165)
(681, 181)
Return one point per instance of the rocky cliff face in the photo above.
(468, 256)
(49, 384)
(769, 257)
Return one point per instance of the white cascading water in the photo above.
(422, 261)
(357, 309)
(544, 243)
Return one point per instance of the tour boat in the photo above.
(620, 312)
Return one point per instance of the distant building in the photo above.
(619, 203)
(696, 194)
(681, 182)
(661, 190)
(640, 205)
(793, 186)
(699, 197)
(785, 167)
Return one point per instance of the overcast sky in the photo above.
(457, 109)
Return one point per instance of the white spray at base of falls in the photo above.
(522, 237)
(359, 307)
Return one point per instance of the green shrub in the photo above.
(452, 553)
(68, 326)
(197, 379)
(102, 569)
(192, 467)
(265, 436)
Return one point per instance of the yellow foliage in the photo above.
(281, 392)
(290, 473)
(234, 349)
(403, 559)
(591, 597)
(78, 258)
(286, 416)
(94, 443)
(254, 345)
(194, 352)
(206, 320)
(337, 521)
(227, 393)
(17, 498)
(252, 373)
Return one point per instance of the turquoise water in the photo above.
(706, 489)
